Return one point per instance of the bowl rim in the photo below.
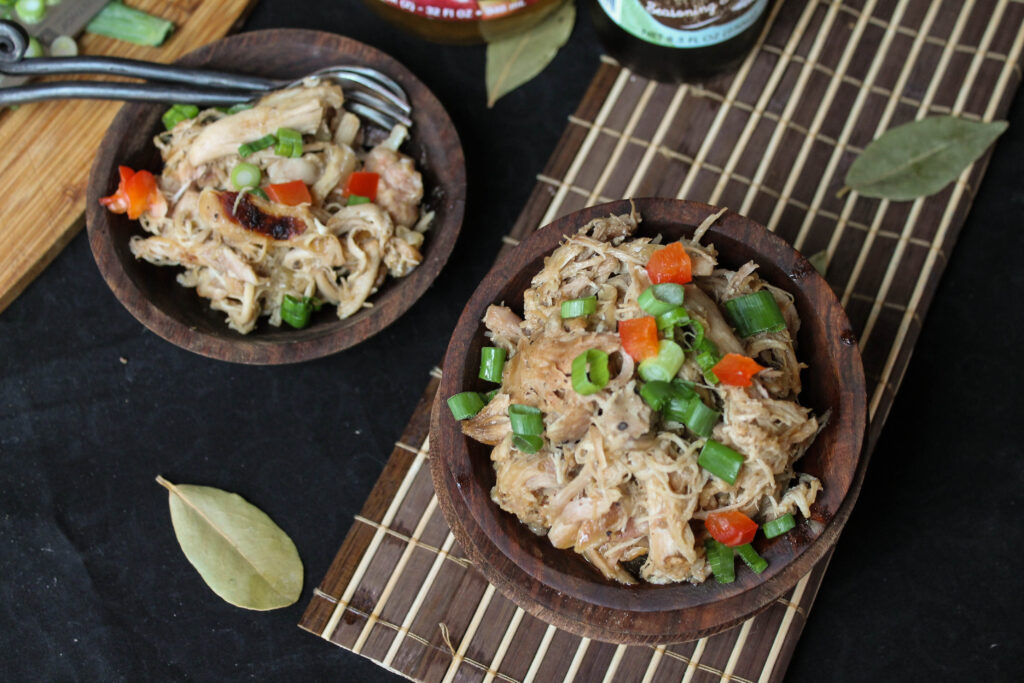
(632, 616)
(333, 335)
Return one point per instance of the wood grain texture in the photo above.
(560, 586)
(50, 146)
(178, 314)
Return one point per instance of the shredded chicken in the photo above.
(615, 480)
(246, 254)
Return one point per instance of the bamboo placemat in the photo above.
(772, 141)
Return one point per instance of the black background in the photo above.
(924, 584)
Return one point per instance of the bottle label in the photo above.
(684, 23)
(460, 10)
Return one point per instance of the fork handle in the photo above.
(134, 92)
(117, 66)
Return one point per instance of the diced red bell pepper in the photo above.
(292, 193)
(136, 192)
(639, 337)
(670, 264)
(736, 370)
(731, 527)
(364, 184)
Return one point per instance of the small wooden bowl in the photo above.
(178, 314)
(559, 586)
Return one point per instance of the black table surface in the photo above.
(924, 584)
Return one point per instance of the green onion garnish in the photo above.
(465, 405)
(258, 191)
(674, 318)
(750, 556)
(492, 362)
(296, 312)
(33, 49)
(693, 413)
(356, 199)
(30, 11)
(489, 396)
(577, 308)
(248, 148)
(720, 460)
(778, 526)
(707, 357)
(755, 313)
(527, 443)
(245, 175)
(118, 21)
(661, 298)
(289, 143)
(526, 420)
(235, 108)
(590, 372)
(721, 559)
(665, 365)
(178, 113)
(657, 394)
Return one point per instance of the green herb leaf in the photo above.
(239, 551)
(920, 158)
(514, 60)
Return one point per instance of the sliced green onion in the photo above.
(683, 388)
(248, 148)
(289, 143)
(63, 46)
(33, 49)
(527, 443)
(526, 420)
(465, 405)
(721, 559)
(750, 556)
(489, 396)
(661, 298)
(657, 394)
(178, 113)
(755, 313)
(720, 460)
(492, 362)
(707, 358)
(355, 199)
(590, 372)
(30, 11)
(245, 175)
(241, 106)
(778, 526)
(674, 318)
(258, 191)
(577, 308)
(693, 413)
(117, 20)
(296, 312)
(665, 365)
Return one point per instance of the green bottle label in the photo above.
(684, 23)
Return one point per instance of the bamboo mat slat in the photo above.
(43, 177)
(772, 141)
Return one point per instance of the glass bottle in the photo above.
(463, 21)
(678, 40)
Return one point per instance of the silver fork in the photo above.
(368, 93)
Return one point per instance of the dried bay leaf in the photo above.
(238, 550)
(514, 60)
(920, 158)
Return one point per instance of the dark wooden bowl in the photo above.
(178, 314)
(558, 585)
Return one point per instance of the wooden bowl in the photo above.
(177, 313)
(559, 586)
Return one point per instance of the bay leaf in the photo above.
(920, 158)
(242, 555)
(514, 60)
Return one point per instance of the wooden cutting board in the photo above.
(48, 147)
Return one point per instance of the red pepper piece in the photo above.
(136, 192)
(364, 184)
(670, 264)
(736, 370)
(639, 337)
(731, 527)
(292, 194)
